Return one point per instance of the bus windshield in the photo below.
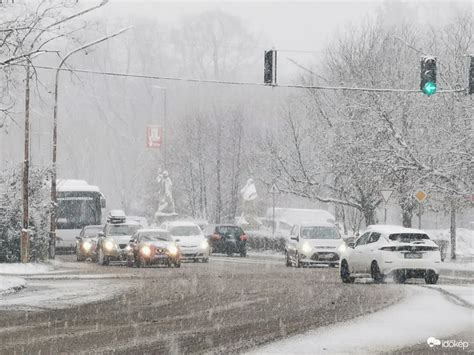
(76, 212)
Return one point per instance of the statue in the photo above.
(165, 195)
(249, 201)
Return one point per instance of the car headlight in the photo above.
(342, 248)
(87, 246)
(145, 250)
(109, 245)
(128, 248)
(172, 249)
(306, 247)
(204, 245)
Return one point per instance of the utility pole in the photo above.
(24, 242)
(54, 201)
(274, 191)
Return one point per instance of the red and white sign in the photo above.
(154, 136)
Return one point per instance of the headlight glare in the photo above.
(342, 248)
(146, 250)
(87, 246)
(172, 249)
(204, 244)
(109, 245)
(306, 247)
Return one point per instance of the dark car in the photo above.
(227, 239)
(153, 247)
(86, 243)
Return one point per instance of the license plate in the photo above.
(413, 256)
(325, 256)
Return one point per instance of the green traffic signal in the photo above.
(429, 88)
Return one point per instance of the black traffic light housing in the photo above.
(269, 71)
(428, 75)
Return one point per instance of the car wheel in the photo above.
(377, 276)
(288, 261)
(298, 262)
(130, 262)
(399, 277)
(431, 278)
(101, 260)
(345, 273)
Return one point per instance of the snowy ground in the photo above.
(423, 313)
(54, 285)
(9, 284)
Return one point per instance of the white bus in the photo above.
(79, 205)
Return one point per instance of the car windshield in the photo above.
(92, 232)
(316, 232)
(122, 229)
(230, 230)
(408, 237)
(155, 236)
(185, 231)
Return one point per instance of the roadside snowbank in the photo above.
(464, 239)
(423, 313)
(10, 284)
(24, 269)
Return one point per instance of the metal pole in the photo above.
(165, 132)
(273, 214)
(385, 213)
(419, 215)
(26, 172)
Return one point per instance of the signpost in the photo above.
(420, 196)
(274, 191)
(154, 136)
(386, 194)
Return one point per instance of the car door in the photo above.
(368, 252)
(357, 256)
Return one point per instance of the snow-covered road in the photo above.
(424, 312)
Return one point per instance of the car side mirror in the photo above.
(77, 237)
(351, 245)
(102, 203)
(177, 240)
(295, 238)
(101, 234)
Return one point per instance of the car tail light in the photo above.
(216, 237)
(388, 248)
(244, 237)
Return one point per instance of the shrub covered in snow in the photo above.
(11, 214)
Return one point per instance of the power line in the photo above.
(228, 82)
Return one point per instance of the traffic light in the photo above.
(269, 71)
(471, 77)
(428, 75)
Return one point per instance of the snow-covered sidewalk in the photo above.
(25, 269)
(10, 284)
(422, 314)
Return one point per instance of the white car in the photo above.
(190, 239)
(313, 243)
(391, 251)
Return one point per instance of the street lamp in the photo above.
(52, 240)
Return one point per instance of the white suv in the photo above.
(313, 243)
(190, 238)
(391, 251)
